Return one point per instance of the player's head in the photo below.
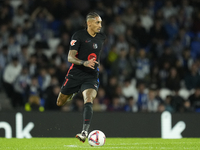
(93, 22)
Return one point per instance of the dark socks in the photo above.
(87, 116)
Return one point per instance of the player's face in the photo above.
(96, 24)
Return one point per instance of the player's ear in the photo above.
(89, 22)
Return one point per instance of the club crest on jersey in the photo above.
(95, 46)
(72, 43)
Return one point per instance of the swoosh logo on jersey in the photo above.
(87, 41)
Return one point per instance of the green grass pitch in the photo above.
(111, 144)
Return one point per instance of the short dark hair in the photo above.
(91, 15)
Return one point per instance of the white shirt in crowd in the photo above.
(11, 72)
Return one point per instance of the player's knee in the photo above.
(59, 102)
(89, 99)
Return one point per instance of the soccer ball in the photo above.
(96, 138)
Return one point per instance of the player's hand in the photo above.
(90, 63)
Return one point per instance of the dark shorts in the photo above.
(71, 86)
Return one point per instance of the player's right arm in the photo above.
(73, 59)
(74, 47)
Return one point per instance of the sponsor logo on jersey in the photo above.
(95, 46)
(91, 56)
(72, 43)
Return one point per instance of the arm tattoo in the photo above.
(72, 58)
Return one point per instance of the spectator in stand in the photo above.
(32, 65)
(4, 57)
(51, 70)
(21, 38)
(64, 41)
(164, 73)
(195, 100)
(168, 102)
(130, 38)
(172, 27)
(129, 17)
(168, 9)
(6, 13)
(77, 20)
(129, 88)
(196, 22)
(154, 76)
(12, 71)
(61, 72)
(13, 48)
(143, 66)
(67, 27)
(20, 88)
(118, 26)
(140, 34)
(28, 29)
(142, 97)
(78, 104)
(158, 31)
(111, 37)
(185, 39)
(119, 94)
(187, 107)
(157, 49)
(180, 69)
(59, 56)
(132, 59)
(152, 102)
(112, 57)
(98, 107)
(103, 76)
(122, 44)
(24, 56)
(161, 108)
(34, 88)
(41, 18)
(19, 17)
(192, 79)
(109, 16)
(115, 105)
(177, 102)
(42, 59)
(177, 47)
(188, 9)
(121, 67)
(102, 97)
(173, 80)
(33, 104)
(167, 56)
(51, 97)
(110, 89)
(146, 19)
(4, 60)
(131, 105)
(44, 79)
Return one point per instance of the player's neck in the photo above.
(93, 34)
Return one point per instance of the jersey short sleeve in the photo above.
(75, 42)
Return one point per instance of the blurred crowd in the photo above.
(150, 61)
